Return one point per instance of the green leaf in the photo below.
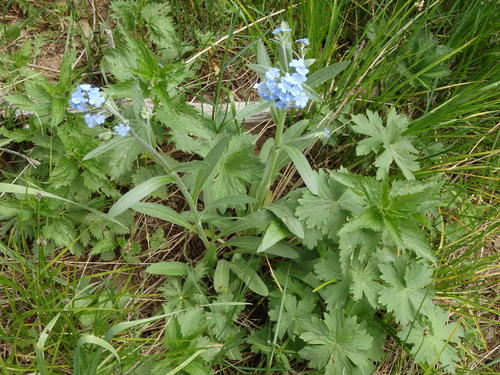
(103, 246)
(274, 233)
(431, 340)
(365, 281)
(259, 68)
(395, 213)
(228, 201)
(211, 161)
(61, 231)
(237, 167)
(287, 217)
(136, 194)
(252, 109)
(66, 170)
(161, 29)
(4, 142)
(407, 291)
(337, 344)
(66, 72)
(58, 110)
(423, 60)
(221, 276)
(258, 219)
(121, 160)
(192, 322)
(335, 290)
(327, 203)
(327, 73)
(92, 340)
(300, 162)
(120, 62)
(250, 244)
(356, 245)
(294, 314)
(189, 131)
(285, 50)
(262, 55)
(18, 189)
(397, 147)
(168, 269)
(248, 275)
(114, 143)
(313, 95)
(164, 213)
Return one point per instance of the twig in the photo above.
(33, 162)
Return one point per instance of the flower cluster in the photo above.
(285, 90)
(86, 94)
(87, 97)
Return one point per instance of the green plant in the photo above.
(263, 254)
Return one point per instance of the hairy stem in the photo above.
(170, 170)
(272, 160)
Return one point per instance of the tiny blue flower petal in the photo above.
(78, 100)
(301, 100)
(90, 120)
(297, 63)
(327, 133)
(95, 97)
(273, 73)
(99, 119)
(85, 87)
(300, 66)
(281, 30)
(303, 41)
(93, 120)
(77, 97)
(122, 129)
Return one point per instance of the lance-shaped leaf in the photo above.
(163, 212)
(248, 275)
(136, 194)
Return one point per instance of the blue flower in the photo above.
(93, 120)
(327, 133)
(301, 100)
(122, 129)
(86, 94)
(284, 90)
(303, 41)
(85, 87)
(299, 78)
(300, 66)
(264, 90)
(95, 97)
(281, 30)
(78, 101)
(273, 73)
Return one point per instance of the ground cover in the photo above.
(353, 229)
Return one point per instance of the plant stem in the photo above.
(182, 187)
(170, 170)
(272, 160)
